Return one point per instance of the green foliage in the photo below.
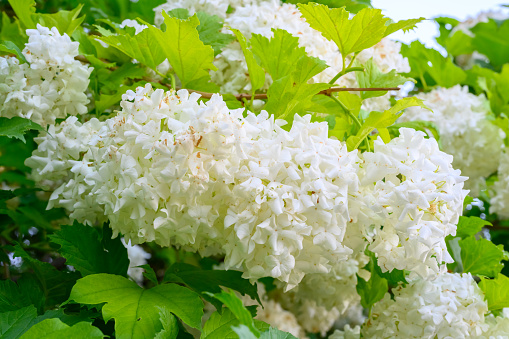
(14, 323)
(274, 333)
(16, 127)
(487, 36)
(271, 52)
(134, 309)
(381, 120)
(10, 48)
(365, 30)
(469, 226)
(83, 248)
(481, 257)
(352, 6)
(496, 292)
(170, 326)
(372, 77)
(292, 94)
(230, 300)
(372, 290)
(202, 281)
(430, 67)
(55, 329)
(256, 73)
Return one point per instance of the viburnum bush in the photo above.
(251, 169)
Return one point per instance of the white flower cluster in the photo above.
(417, 197)
(277, 203)
(465, 131)
(452, 306)
(51, 86)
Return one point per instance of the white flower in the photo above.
(347, 333)
(133, 23)
(51, 86)
(418, 197)
(465, 132)
(451, 306)
(137, 257)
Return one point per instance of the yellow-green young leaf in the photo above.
(219, 326)
(496, 292)
(256, 72)
(188, 55)
(274, 333)
(143, 47)
(373, 77)
(55, 329)
(279, 55)
(468, 226)
(384, 134)
(170, 325)
(364, 30)
(24, 10)
(405, 25)
(11, 48)
(64, 21)
(491, 40)
(384, 119)
(134, 309)
(235, 305)
(481, 257)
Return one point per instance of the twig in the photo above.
(246, 96)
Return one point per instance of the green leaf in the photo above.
(468, 226)
(256, 73)
(279, 55)
(364, 30)
(274, 333)
(149, 273)
(142, 47)
(243, 332)
(237, 308)
(491, 40)
(431, 67)
(135, 309)
(209, 30)
(372, 77)
(405, 25)
(372, 290)
(14, 323)
(170, 325)
(219, 326)
(54, 285)
(83, 249)
(24, 10)
(188, 55)
(393, 277)
(65, 21)
(56, 329)
(292, 94)
(382, 120)
(12, 31)
(11, 48)
(481, 257)
(210, 280)
(496, 292)
(16, 127)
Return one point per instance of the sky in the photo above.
(427, 30)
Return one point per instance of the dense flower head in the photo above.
(169, 169)
(465, 131)
(451, 306)
(51, 86)
(417, 197)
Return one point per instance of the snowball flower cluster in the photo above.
(451, 306)
(276, 202)
(417, 198)
(51, 86)
(465, 132)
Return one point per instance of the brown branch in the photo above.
(246, 96)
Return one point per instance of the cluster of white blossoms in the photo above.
(451, 306)
(276, 202)
(51, 85)
(466, 132)
(499, 192)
